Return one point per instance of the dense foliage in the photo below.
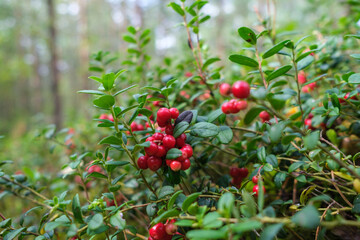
(180, 152)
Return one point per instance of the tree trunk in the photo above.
(55, 76)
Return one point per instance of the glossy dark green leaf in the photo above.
(252, 114)
(225, 135)
(275, 49)
(243, 60)
(204, 129)
(76, 209)
(180, 129)
(104, 102)
(248, 35)
(173, 153)
(278, 72)
(189, 200)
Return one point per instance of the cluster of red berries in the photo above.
(302, 79)
(239, 89)
(265, 116)
(106, 117)
(342, 100)
(238, 174)
(161, 143)
(255, 190)
(162, 231)
(138, 127)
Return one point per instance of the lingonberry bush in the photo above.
(269, 152)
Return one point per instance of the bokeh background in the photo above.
(31, 30)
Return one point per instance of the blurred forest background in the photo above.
(45, 46)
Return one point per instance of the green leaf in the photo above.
(173, 198)
(104, 102)
(111, 140)
(211, 220)
(165, 215)
(96, 221)
(243, 60)
(225, 135)
(271, 159)
(204, 129)
(275, 49)
(354, 78)
(356, 207)
(173, 153)
(271, 231)
(248, 35)
(295, 166)
(252, 114)
(165, 191)
(189, 200)
(76, 209)
(95, 92)
(6, 223)
(116, 163)
(249, 209)
(177, 8)
(302, 64)
(206, 234)
(96, 175)
(117, 221)
(308, 217)
(246, 226)
(129, 39)
(108, 81)
(215, 115)
(180, 128)
(124, 90)
(226, 204)
(14, 233)
(275, 132)
(355, 55)
(279, 179)
(261, 154)
(311, 140)
(278, 72)
(209, 62)
(300, 40)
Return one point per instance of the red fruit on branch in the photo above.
(226, 108)
(157, 232)
(188, 150)
(225, 89)
(243, 172)
(154, 163)
(180, 141)
(234, 172)
(301, 77)
(256, 190)
(169, 129)
(241, 105)
(142, 162)
(185, 164)
(158, 136)
(163, 115)
(175, 166)
(265, 116)
(161, 151)
(174, 112)
(170, 229)
(241, 89)
(255, 179)
(169, 141)
(152, 149)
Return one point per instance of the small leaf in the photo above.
(311, 140)
(76, 209)
(124, 90)
(308, 217)
(252, 114)
(111, 140)
(248, 35)
(243, 60)
(225, 135)
(189, 200)
(271, 231)
(177, 8)
(96, 221)
(354, 78)
(104, 102)
(302, 64)
(278, 72)
(118, 221)
(204, 129)
(275, 49)
(173, 153)
(209, 62)
(180, 129)
(165, 191)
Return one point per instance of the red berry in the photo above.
(169, 141)
(161, 151)
(305, 89)
(152, 149)
(103, 116)
(241, 105)
(140, 127)
(311, 115)
(174, 113)
(157, 232)
(168, 162)
(188, 150)
(162, 123)
(175, 166)
(265, 116)
(312, 86)
(256, 190)
(236, 181)
(142, 162)
(163, 115)
(301, 78)
(134, 126)
(225, 89)
(233, 108)
(255, 179)
(226, 108)
(308, 123)
(94, 168)
(169, 129)
(110, 117)
(154, 163)
(150, 139)
(180, 141)
(241, 89)
(243, 172)
(234, 172)
(170, 229)
(185, 164)
(158, 136)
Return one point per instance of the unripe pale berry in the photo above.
(241, 89)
